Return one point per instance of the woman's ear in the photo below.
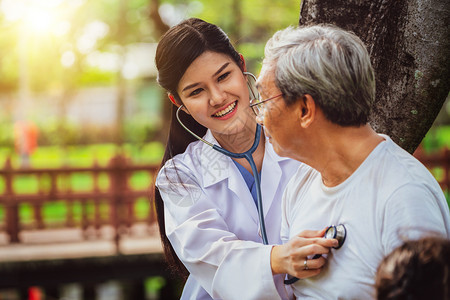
(243, 66)
(307, 112)
(172, 99)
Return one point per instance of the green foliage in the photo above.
(153, 285)
(437, 138)
(85, 155)
(95, 77)
(249, 23)
(139, 129)
(6, 133)
(56, 132)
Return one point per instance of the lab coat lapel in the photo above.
(217, 167)
(238, 186)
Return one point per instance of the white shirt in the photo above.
(212, 222)
(389, 198)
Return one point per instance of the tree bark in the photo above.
(409, 44)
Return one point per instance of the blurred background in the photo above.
(82, 131)
(81, 73)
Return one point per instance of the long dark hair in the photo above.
(177, 49)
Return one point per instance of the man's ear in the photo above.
(242, 66)
(172, 99)
(307, 110)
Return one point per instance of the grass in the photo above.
(436, 138)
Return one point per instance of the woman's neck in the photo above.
(237, 142)
(242, 142)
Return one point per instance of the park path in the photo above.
(69, 243)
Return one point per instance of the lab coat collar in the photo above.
(216, 167)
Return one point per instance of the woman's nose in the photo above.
(218, 96)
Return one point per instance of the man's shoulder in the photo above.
(402, 164)
(302, 176)
(394, 168)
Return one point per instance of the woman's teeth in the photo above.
(226, 110)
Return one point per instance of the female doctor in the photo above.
(205, 200)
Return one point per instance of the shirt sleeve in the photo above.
(412, 212)
(227, 268)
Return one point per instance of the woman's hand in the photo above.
(290, 257)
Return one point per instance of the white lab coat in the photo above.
(212, 222)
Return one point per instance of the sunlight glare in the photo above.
(68, 59)
(39, 20)
(35, 15)
(12, 10)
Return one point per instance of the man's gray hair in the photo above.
(330, 64)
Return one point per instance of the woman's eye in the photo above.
(223, 76)
(195, 92)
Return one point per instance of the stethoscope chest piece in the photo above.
(336, 232)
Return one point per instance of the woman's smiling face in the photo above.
(214, 91)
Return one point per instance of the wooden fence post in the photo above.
(118, 187)
(446, 167)
(12, 209)
(97, 200)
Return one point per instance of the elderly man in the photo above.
(319, 85)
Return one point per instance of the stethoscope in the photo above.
(247, 155)
(338, 232)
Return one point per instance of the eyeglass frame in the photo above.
(254, 105)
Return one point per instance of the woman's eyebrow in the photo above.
(221, 68)
(190, 86)
(215, 74)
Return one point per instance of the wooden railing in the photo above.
(118, 197)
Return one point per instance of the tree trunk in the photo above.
(121, 82)
(160, 28)
(235, 31)
(409, 44)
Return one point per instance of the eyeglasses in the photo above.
(257, 105)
